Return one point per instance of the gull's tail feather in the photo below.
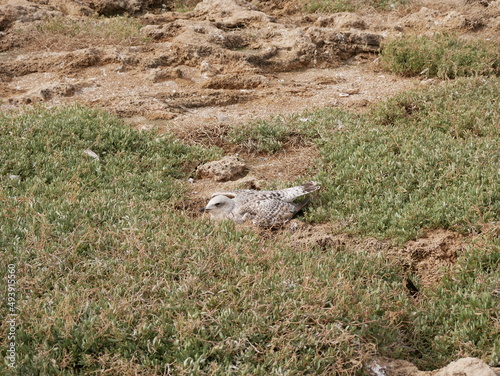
(291, 194)
(311, 186)
(301, 205)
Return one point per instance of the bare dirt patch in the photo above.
(199, 66)
(431, 255)
(209, 66)
(428, 257)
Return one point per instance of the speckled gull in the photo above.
(264, 208)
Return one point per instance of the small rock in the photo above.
(377, 369)
(248, 182)
(207, 69)
(223, 118)
(351, 91)
(91, 154)
(228, 168)
(58, 90)
(466, 367)
(428, 82)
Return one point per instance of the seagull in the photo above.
(265, 209)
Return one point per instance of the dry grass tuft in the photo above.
(67, 34)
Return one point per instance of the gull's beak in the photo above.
(202, 210)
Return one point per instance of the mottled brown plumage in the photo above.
(264, 208)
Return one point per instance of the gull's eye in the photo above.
(218, 204)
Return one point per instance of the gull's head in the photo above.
(219, 206)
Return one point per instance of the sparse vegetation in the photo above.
(95, 31)
(445, 56)
(185, 5)
(335, 6)
(268, 136)
(327, 6)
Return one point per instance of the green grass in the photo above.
(113, 278)
(57, 189)
(421, 160)
(237, 306)
(284, 132)
(442, 55)
(461, 315)
(268, 136)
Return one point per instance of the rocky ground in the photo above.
(225, 62)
